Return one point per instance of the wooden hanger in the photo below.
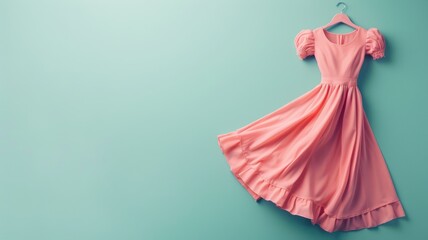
(341, 18)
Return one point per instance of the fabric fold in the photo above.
(260, 187)
(316, 150)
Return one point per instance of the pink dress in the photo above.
(316, 156)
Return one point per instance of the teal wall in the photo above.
(109, 113)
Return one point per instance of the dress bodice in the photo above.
(340, 56)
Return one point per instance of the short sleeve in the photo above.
(375, 43)
(304, 43)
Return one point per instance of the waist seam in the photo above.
(350, 81)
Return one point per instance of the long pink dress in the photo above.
(316, 156)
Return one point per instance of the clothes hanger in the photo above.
(341, 18)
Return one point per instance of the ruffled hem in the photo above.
(259, 187)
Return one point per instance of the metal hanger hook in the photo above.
(344, 6)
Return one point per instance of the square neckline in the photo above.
(355, 32)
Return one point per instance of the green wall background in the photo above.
(110, 112)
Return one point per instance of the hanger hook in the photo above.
(344, 6)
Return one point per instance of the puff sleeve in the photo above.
(304, 43)
(375, 43)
